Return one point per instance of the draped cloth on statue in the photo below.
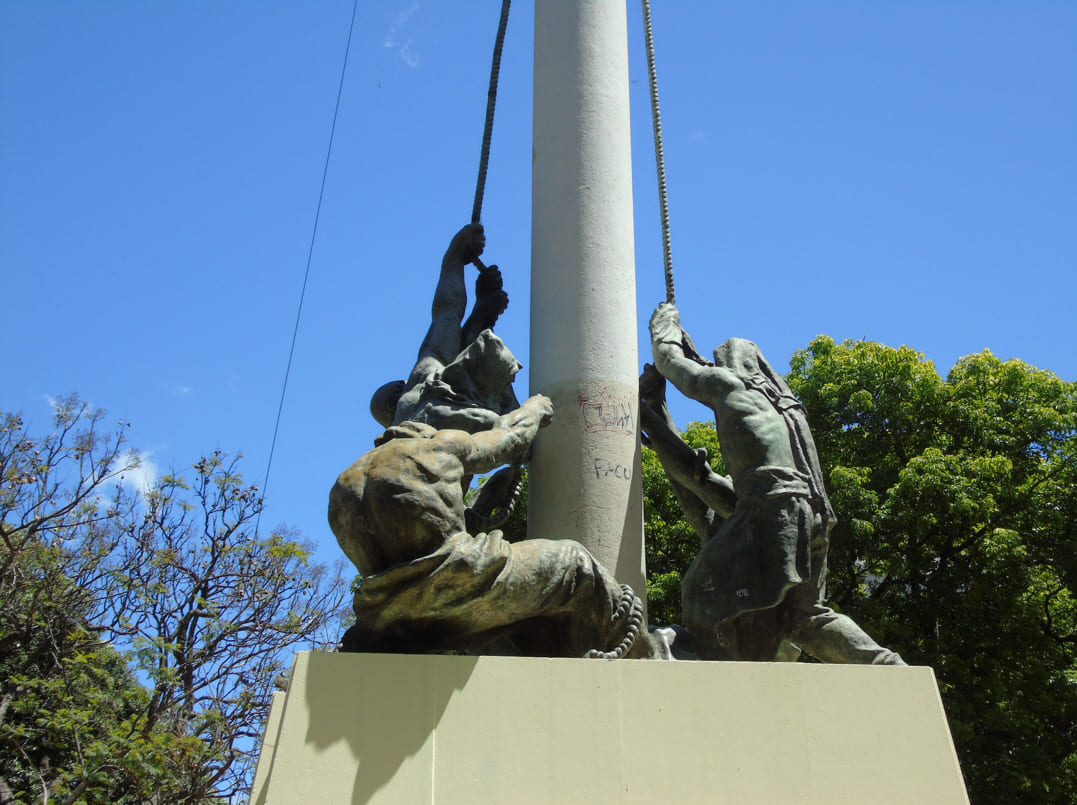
(772, 550)
(550, 596)
(775, 388)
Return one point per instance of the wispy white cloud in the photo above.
(133, 468)
(136, 471)
(184, 391)
(400, 42)
(411, 59)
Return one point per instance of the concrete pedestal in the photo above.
(357, 728)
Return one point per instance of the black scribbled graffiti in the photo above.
(605, 468)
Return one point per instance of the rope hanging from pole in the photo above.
(491, 100)
(484, 521)
(659, 154)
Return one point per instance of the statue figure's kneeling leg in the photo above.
(551, 597)
(832, 637)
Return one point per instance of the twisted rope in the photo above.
(491, 101)
(630, 608)
(659, 153)
(484, 522)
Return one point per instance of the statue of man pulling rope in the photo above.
(429, 585)
(760, 578)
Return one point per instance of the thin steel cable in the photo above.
(310, 256)
(659, 154)
(491, 101)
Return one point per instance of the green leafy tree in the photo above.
(65, 699)
(140, 632)
(73, 725)
(956, 542)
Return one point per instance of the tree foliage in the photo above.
(140, 632)
(956, 542)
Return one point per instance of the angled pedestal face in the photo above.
(358, 728)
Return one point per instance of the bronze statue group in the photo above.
(433, 581)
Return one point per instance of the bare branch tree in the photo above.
(170, 590)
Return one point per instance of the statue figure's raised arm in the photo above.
(702, 493)
(510, 437)
(443, 340)
(677, 360)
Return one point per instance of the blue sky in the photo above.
(899, 171)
